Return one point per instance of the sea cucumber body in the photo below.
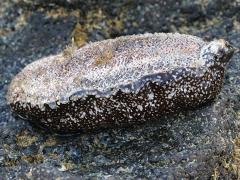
(150, 102)
(148, 98)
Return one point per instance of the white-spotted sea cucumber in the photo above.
(122, 81)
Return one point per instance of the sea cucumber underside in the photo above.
(122, 81)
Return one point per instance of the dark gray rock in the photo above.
(191, 144)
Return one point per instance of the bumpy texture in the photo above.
(120, 81)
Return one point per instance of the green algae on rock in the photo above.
(122, 81)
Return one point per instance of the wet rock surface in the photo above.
(190, 144)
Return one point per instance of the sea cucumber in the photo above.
(122, 81)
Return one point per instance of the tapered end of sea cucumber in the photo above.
(217, 52)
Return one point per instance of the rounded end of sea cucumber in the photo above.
(217, 51)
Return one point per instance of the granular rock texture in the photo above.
(195, 144)
(139, 78)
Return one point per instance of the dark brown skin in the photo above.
(117, 116)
